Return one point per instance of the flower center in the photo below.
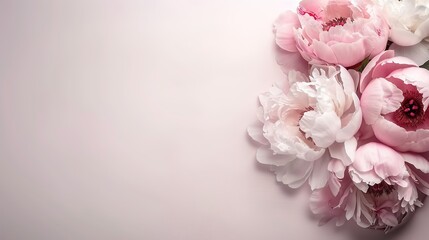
(411, 113)
(334, 22)
(378, 189)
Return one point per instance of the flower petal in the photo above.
(266, 156)
(295, 173)
(418, 161)
(320, 127)
(380, 97)
(388, 218)
(256, 133)
(284, 30)
(320, 174)
(367, 73)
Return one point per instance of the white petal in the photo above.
(295, 173)
(320, 174)
(321, 127)
(337, 167)
(256, 133)
(334, 185)
(351, 128)
(266, 156)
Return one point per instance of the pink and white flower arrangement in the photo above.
(351, 119)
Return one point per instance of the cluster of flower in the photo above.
(351, 118)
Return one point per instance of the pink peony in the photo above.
(394, 101)
(308, 125)
(381, 189)
(333, 31)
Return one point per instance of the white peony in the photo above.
(308, 125)
(409, 23)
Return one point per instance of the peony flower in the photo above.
(333, 31)
(394, 101)
(409, 23)
(308, 125)
(382, 188)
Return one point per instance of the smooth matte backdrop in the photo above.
(127, 120)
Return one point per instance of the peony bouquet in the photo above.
(351, 119)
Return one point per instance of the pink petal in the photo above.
(389, 133)
(400, 139)
(284, 30)
(365, 132)
(408, 193)
(337, 167)
(334, 184)
(422, 179)
(324, 52)
(367, 76)
(388, 218)
(418, 161)
(313, 7)
(417, 77)
(385, 161)
(387, 66)
(351, 206)
(367, 178)
(380, 97)
(349, 54)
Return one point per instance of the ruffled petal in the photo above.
(320, 127)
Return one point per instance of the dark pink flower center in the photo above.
(378, 189)
(334, 22)
(411, 113)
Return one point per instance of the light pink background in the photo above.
(126, 120)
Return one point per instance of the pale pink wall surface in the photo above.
(126, 120)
